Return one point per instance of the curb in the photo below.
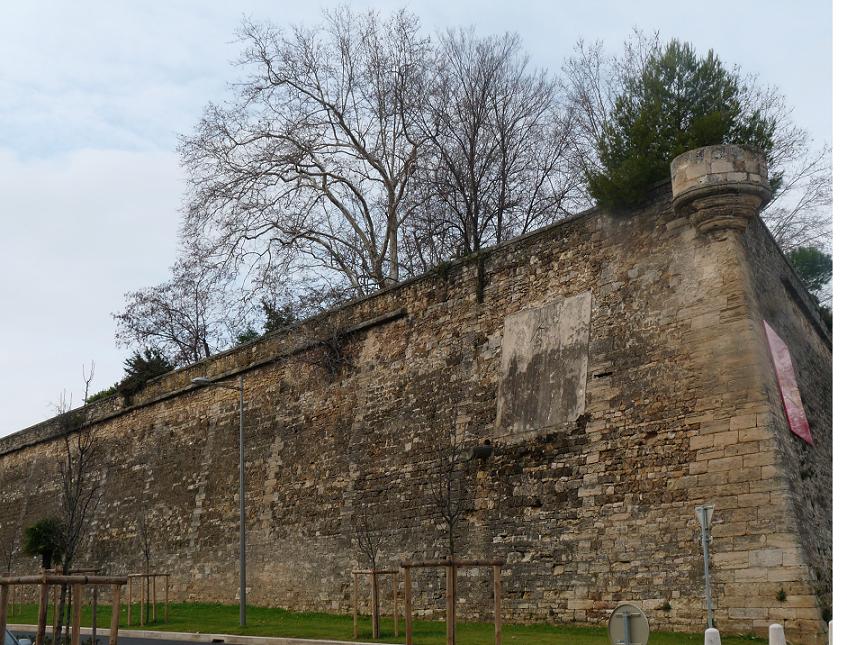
(195, 637)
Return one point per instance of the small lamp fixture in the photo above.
(484, 451)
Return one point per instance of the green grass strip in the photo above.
(266, 621)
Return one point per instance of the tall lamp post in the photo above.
(704, 517)
(242, 571)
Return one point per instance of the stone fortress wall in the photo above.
(617, 363)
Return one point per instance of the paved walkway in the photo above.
(149, 637)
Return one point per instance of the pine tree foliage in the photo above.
(678, 101)
(813, 266)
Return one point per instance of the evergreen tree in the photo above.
(141, 367)
(278, 317)
(813, 266)
(246, 336)
(675, 102)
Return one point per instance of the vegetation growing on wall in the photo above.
(139, 368)
(676, 101)
(361, 151)
(635, 111)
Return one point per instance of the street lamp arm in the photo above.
(206, 382)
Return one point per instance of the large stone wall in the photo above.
(644, 331)
(804, 471)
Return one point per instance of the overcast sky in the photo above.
(94, 94)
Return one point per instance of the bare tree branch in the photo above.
(499, 161)
(313, 160)
(448, 482)
(368, 538)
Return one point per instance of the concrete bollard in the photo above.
(713, 637)
(829, 631)
(776, 635)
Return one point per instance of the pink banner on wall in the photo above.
(787, 381)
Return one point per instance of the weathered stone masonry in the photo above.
(636, 385)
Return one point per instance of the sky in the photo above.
(93, 97)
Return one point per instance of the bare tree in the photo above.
(185, 318)
(7, 554)
(79, 481)
(800, 212)
(368, 539)
(311, 166)
(352, 155)
(798, 215)
(7, 550)
(593, 81)
(499, 161)
(145, 544)
(447, 484)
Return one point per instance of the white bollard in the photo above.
(776, 635)
(830, 633)
(713, 637)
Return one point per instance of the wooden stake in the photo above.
(56, 616)
(143, 609)
(374, 606)
(451, 605)
(394, 591)
(129, 601)
(355, 607)
(155, 612)
(76, 622)
(167, 593)
(42, 616)
(407, 603)
(498, 606)
(4, 604)
(94, 615)
(116, 615)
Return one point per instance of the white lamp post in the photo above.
(704, 517)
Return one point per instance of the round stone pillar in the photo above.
(720, 187)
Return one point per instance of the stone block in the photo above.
(742, 422)
(725, 463)
(766, 558)
(752, 574)
(754, 500)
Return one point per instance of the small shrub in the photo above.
(246, 336)
(781, 595)
(666, 606)
(102, 394)
(45, 538)
(442, 270)
(140, 368)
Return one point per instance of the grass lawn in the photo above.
(262, 621)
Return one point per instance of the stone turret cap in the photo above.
(720, 187)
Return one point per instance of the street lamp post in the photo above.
(242, 550)
(704, 517)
